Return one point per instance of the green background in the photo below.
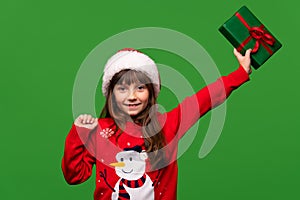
(43, 44)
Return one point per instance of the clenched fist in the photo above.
(86, 121)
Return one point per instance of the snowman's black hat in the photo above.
(135, 148)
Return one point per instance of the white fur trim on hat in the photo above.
(134, 60)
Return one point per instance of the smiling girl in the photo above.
(133, 146)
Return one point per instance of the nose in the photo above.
(132, 96)
(117, 164)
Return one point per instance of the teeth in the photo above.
(131, 105)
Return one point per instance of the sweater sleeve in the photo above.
(186, 114)
(78, 159)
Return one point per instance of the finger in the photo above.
(91, 120)
(85, 116)
(82, 119)
(95, 121)
(236, 53)
(248, 52)
(79, 119)
(88, 118)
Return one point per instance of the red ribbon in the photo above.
(257, 33)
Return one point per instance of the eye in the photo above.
(122, 159)
(130, 159)
(121, 88)
(141, 87)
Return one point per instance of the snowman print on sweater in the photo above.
(134, 183)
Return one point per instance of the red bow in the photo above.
(259, 34)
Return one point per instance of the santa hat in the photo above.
(132, 59)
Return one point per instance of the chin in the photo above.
(133, 114)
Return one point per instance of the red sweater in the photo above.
(84, 148)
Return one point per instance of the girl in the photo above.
(133, 146)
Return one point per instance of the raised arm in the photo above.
(181, 118)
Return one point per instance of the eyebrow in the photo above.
(136, 84)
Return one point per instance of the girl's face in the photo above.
(131, 99)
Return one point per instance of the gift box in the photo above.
(243, 30)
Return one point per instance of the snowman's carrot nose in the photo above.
(118, 164)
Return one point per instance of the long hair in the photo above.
(151, 128)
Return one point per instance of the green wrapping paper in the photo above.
(243, 30)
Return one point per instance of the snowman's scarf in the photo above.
(123, 194)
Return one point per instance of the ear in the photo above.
(143, 156)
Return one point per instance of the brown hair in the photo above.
(151, 128)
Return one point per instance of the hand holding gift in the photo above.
(245, 61)
(244, 31)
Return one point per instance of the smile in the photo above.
(127, 172)
(132, 105)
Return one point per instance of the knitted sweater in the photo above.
(105, 145)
